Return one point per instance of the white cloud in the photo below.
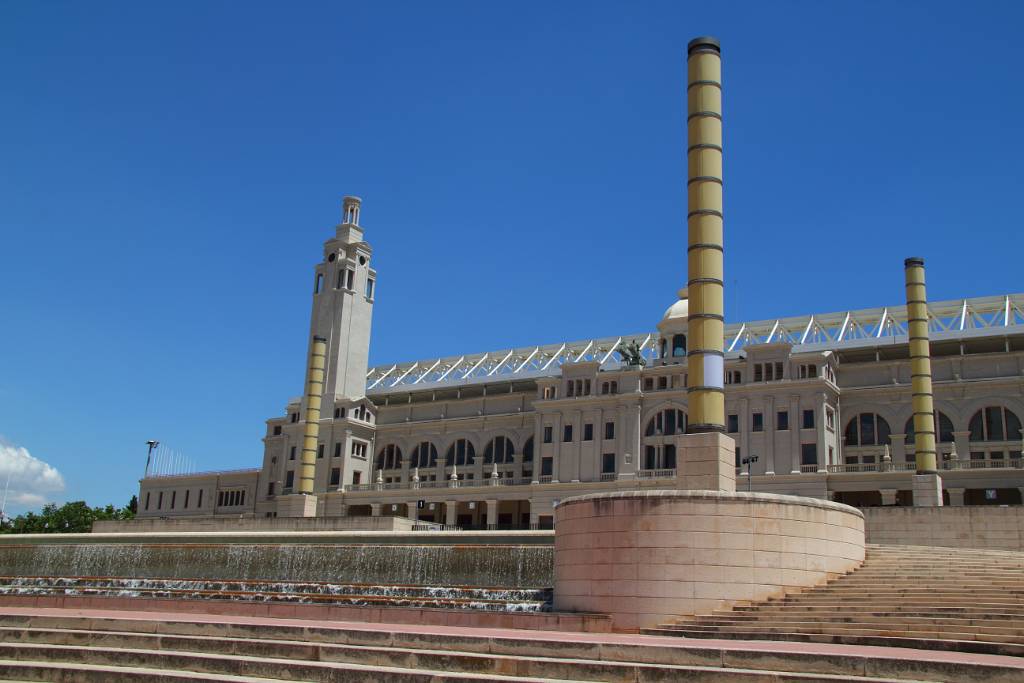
(32, 481)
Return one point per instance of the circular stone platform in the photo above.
(645, 557)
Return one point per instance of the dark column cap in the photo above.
(913, 261)
(704, 42)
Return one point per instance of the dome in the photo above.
(679, 311)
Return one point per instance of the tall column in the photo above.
(920, 367)
(705, 362)
(451, 509)
(314, 393)
(492, 514)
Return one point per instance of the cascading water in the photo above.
(498, 577)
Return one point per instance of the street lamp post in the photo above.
(149, 456)
(747, 461)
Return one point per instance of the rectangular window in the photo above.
(778, 370)
(277, 430)
(199, 503)
(359, 449)
(569, 389)
(830, 420)
(567, 433)
(319, 283)
(350, 277)
(648, 384)
(758, 373)
(358, 476)
(337, 450)
(808, 454)
(289, 479)
(615, 387)
(160, 501)
(733, 424)
(291, 454)
(320, 451)
(369, 288)
(769, 373)
(546, 467)
(663, 383)
(609, 430)
(335, 476)
(808, 419)
(739, 459)
(608, 463)
(270, 489)
(588, 432)
(147, 501)
(604, 387)
(185, 506)
(782, 420)
(341, 280)
(758, 425)
(547, 434)
(174, 497)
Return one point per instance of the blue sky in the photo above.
(168, 172)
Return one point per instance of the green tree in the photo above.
(70, 518)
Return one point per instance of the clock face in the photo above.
(362, 260)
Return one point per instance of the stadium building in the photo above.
(818, 405)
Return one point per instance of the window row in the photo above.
(781, 421)
(499, 450)
(567, 432)
(990, 424)
(174, 500)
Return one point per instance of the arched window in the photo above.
(867, 429)
(389, 458)
(499, 450)
(461, 453)
(667, 423)
(424, 455)
(678, 345)
(943, 429)
(995, 423)
(528, 450)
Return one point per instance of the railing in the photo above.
(805, 469)
(431, 526)
(545, 479)
(1000, 464)
(214, 473)
(872, 467)
(656, 474)
(608, 476)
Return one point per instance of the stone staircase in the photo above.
(914, 596)
(86, 648)
(320, 593)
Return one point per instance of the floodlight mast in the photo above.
(149, 455)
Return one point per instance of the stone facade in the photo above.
(825, 418)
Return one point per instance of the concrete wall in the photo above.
(988, 527)
(646, 557)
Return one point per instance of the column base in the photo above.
(706, 461)
(927, 490)
(297, 505)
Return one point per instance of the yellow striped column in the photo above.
(920, 366)
(314, 394)
(704, 226)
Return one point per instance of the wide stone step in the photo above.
(413, 667)
(861, 617)
(891, 625)
(659, 662)
(978, 647)
(855, 630)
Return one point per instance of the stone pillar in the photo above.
(311, 428)
(492, 514)
(451, 510)
(534, 516)
(796, 421)
(920, 369)
(956, 497)
(888, 496)
(705, 285)
(375, 509)
(769, 435)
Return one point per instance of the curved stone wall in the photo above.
(645, 557)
